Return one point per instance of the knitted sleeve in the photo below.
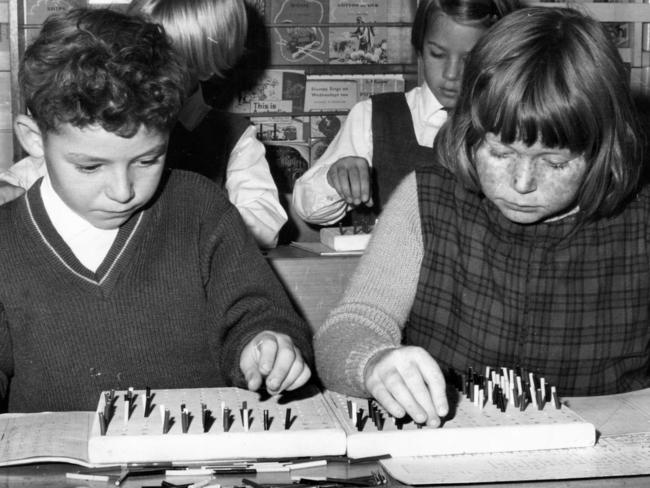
(377, 302)
(241, 287)
(6, 358)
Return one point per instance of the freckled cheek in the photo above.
(562, 191)
(494, 182)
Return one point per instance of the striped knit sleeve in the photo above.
(377, 302)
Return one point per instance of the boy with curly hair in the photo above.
(117, 272)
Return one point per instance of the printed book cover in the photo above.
(330, 94)
(361, 39)
(298, 36)
(277, 91)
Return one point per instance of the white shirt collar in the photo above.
(89, 244)
(429, 105)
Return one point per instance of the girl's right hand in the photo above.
(407, 380)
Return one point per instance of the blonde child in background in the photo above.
(525, 243)
(210, 35)
(386, 137)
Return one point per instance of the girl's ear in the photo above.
(29, 135)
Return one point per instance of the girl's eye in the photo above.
(557, 164)
(436, 54)
(499, 154)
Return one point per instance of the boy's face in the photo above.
(529, 184)
(446, 46)
(103, 177)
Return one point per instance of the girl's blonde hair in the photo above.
(209, 34)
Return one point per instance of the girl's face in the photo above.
(446, 46)
(529, 184)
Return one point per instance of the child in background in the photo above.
(116, 271)
(526, 243)
(210, 35)
(387, 136)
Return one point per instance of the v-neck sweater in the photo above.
(181, 291)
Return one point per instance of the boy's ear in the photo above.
(29, 135)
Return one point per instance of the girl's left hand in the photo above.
(272, 358)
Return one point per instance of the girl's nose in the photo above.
(523, 176)
(453, 69)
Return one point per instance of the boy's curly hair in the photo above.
(102, 67)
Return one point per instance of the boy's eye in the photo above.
(88, 168)
(149, 162)
(152, 160)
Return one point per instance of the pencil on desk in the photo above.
(87, 477)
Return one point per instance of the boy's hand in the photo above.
(9, 192)
(407, 380)
(350, 177)
(272, 358)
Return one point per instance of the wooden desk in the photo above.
(53, 476)
(314, 283)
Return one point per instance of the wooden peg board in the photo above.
(471, 429)
(313, 430)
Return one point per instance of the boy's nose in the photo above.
(120, 188)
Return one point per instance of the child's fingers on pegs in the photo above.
(366, 187)
(337, 178)
(298, 374)
(360, 184)
(401, 391)
(415, 383)
(284, 359)
(380, 393)
(435, 380)
(256, 358)
(266, 350)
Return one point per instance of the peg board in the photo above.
(313, 429)
(471, 430)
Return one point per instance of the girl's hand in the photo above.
(407, 380)
(272, 358)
